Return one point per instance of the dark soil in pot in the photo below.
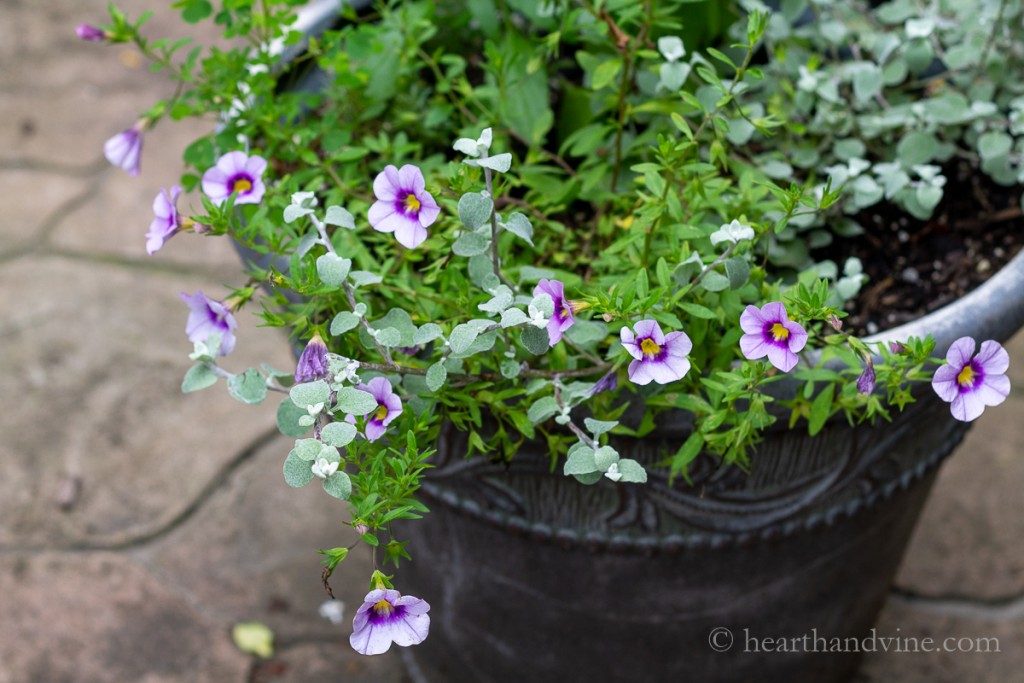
(918, 266)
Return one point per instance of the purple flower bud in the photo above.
(361, 528)
(866, 381)
(91, 33)
(312, 363)
(897, 347)
(609, 382)
(835, 322)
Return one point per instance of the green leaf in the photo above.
(307, 450)
(297, 472)
(994, 144)
(462, 337)
(288, 415)
(249, 387)
(355, 401)
(928, 196)
(698, 311)
(604, 75)
(426, 334)
(917, 147)
(343, 322)
(310, 393)
(542, 409)
(821, 408)
(519, 225)
(336, 215)
(194, 11)
(471, 244)
(474, 209)
(536, 340)
(362, 278)
(338, 485)
(632, 471)
(713, 281)
(737, 269)
(580, 461)
(332, 269)
(199, 376)
(437, 375)
(599, 427)
(338, 434)
(605, 457)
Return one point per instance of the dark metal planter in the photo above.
(534, 577)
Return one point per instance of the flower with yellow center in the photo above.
(966, 377)
(650, 348)
(779, 332)
(241, 185)
(412, 204)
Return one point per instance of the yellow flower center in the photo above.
(381, 413)
(384, 608)
(966, 376)
(649, 347)
(780, 332)
(412, 204)
(241, 185)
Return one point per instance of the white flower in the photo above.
(322, 468)
(613, 472)
(333, 611)
(732, 232)
(475, 148)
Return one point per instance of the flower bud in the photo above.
(312, 363)
(835, 322)
(91, 33)
(897, 347)
(866, 381)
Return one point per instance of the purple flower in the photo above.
(312, 363)
(124, 150)
(91, 33)
(562, 319)
(166, 223)
(769, 332)
(236, 173)
(970, 384)
(659, 357)
(389, 406)
(385, 617)
(866, 381)
(209, 317)
(403, 206)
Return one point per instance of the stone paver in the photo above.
(181, 525)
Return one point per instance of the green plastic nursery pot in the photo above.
(775, 575)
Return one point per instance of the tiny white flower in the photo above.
(613, 472)
(199, 350)
(732, 232)
(475, 148)
(333, 611)
(537, 318)
(315, 409)
(671, 48)
(323, 469)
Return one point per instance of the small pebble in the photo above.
(911, 275)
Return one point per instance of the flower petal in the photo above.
(639, 372)
(781, 357)
(752, 320)
(967, 407)
(960, 352)
(944, 382)
(994, 389)
(410, 233)
(629, 343)
(385, 185)
(993, 358)
(678, 344)
(381, 216)
(410, 179)
(797, 336)
(775, 312)
(650, 328)
(753, 346)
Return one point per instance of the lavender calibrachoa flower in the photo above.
(403, 205)
(769, 332)
(238, 174)
(207, 317)
(124, 150)
(659, 357)
(312, 363)
(389, 406)
(386, 616)
(562, 319)
(971, 382)
(167, 222)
